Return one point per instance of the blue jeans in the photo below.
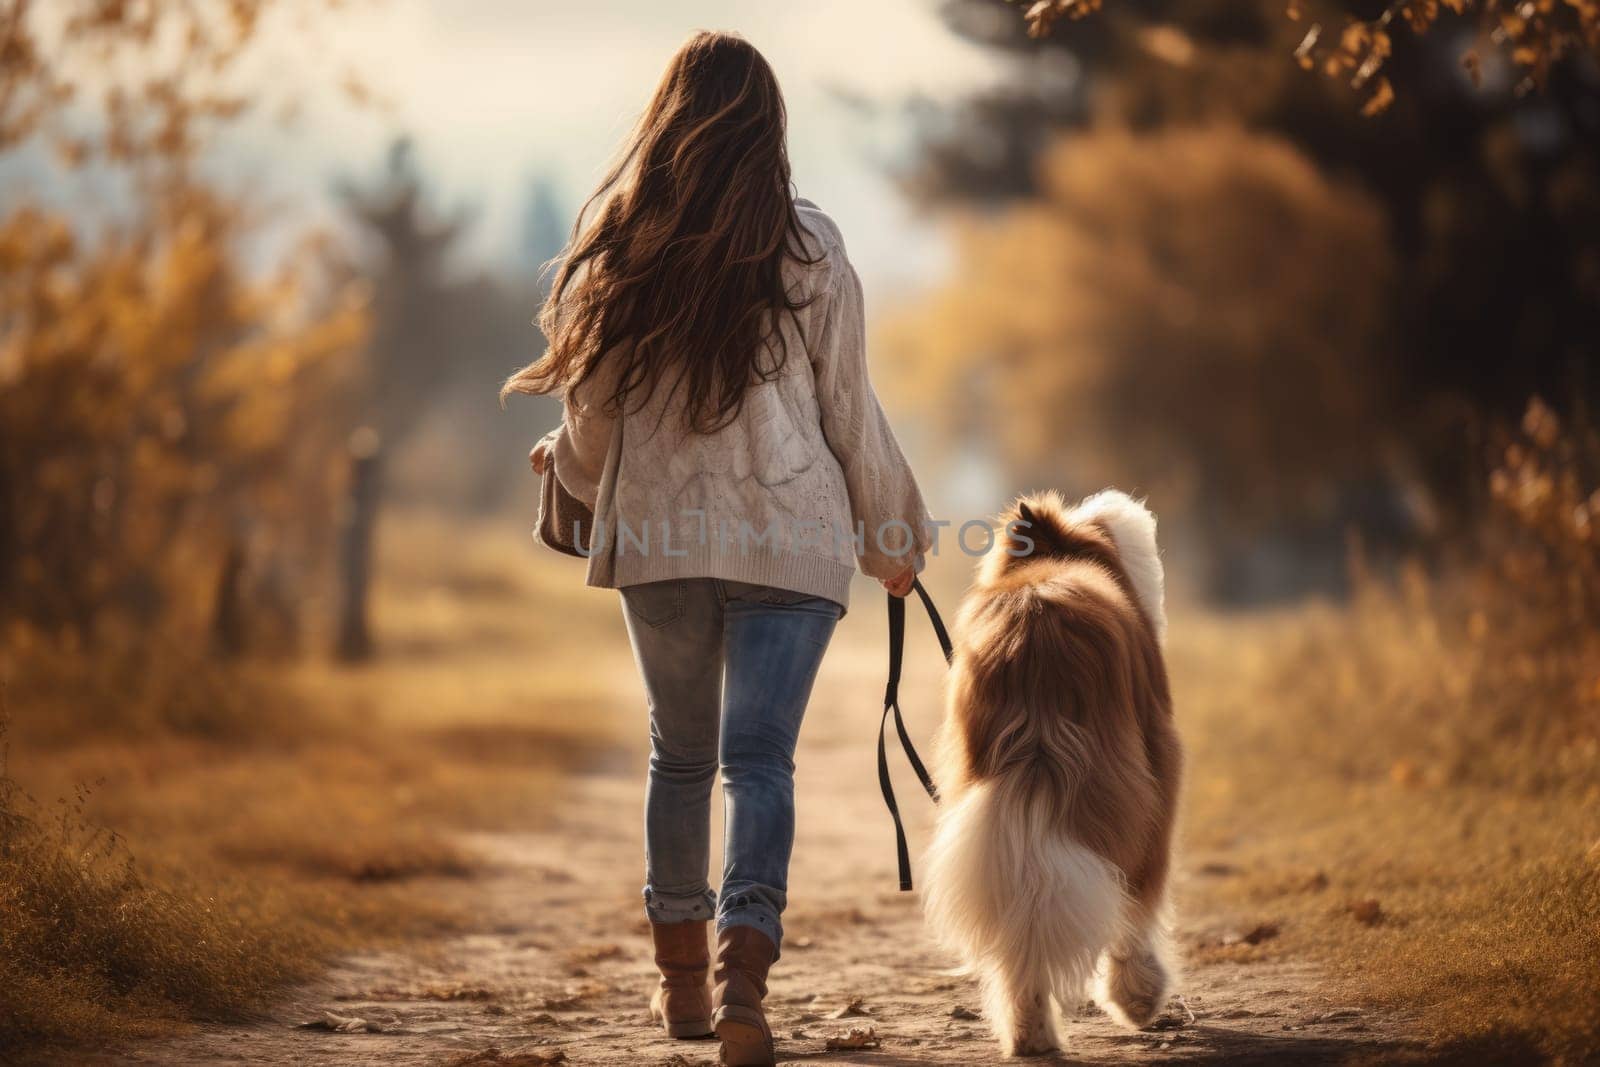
(728, 669)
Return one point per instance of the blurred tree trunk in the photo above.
(227, 611)
(8, 541)
(416, 315)
(356, 526)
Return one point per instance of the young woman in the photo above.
(706, 337)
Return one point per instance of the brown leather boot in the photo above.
(682, 1003)
(743, 956)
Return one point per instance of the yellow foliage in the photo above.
(157, 405)
(1537, 36)
(1191, 311)
(147, 83)
(161, 410)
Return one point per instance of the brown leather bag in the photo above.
(565, 523)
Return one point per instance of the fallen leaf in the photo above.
(852, 1008)
(1337, 1014)
(455, 992)
(1176, 1016)
(1253, 936)
(565, 1002)
(596, 953)
(340, 1024)
(858, 1037)
(574, 996)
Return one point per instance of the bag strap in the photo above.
(891, 703)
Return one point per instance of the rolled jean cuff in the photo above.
(757, 916)
(679, 907)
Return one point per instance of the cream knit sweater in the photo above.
(807, 481)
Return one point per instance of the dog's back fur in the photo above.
(1060, 766)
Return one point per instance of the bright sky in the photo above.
(495, 92)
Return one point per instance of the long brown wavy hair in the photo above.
(680, 274)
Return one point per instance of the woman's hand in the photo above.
(540, 457)
(901, 583)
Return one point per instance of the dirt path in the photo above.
(560, 963)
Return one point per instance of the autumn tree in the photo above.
(1485, 202)
(1353, 43)
(164, 412)
(1175, 337)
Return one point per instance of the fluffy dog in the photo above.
(1059, 766)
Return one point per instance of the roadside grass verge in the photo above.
(96, 947)
(1407, 786)
(269, 815)
(1413, 797)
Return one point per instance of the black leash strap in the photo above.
(891, 703)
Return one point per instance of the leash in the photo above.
(891, 703)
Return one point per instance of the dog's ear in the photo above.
(1025, 513)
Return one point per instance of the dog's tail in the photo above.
(1133, 528)
(1023, 903)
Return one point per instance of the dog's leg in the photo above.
(1136, 976)
(1021, 1013)
(1035, 1026)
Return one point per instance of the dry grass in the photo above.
(94, 945)
(1307, 803)
(270, 815)
(1409, 787)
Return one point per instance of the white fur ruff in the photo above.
(1024, 905)
(1133, 529)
